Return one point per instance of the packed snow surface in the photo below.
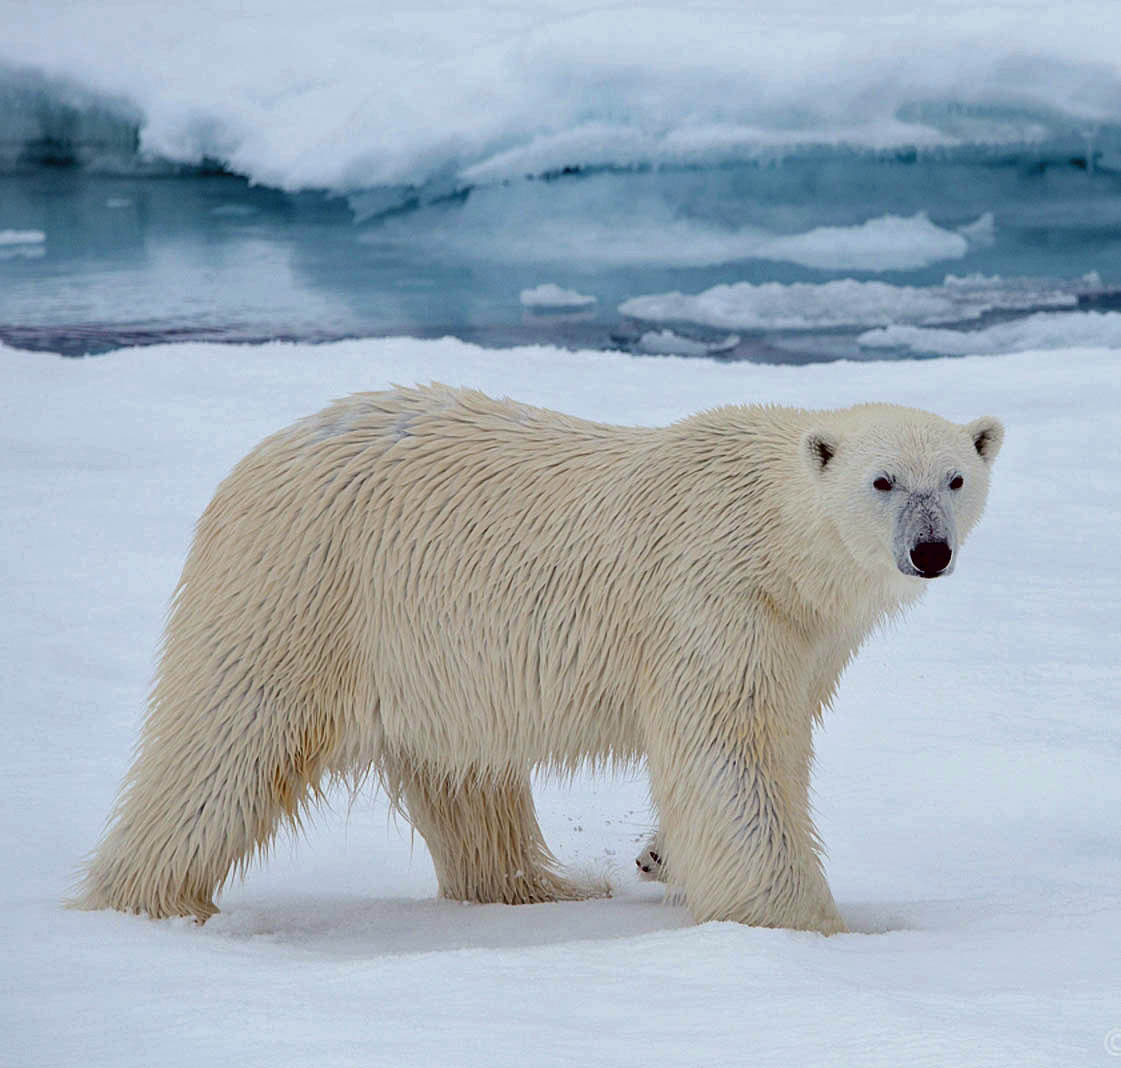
(966, 782)
(459, 93)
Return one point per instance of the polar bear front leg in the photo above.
(732, 788)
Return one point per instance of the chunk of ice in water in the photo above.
(550, 295)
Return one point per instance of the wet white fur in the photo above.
(449, 590)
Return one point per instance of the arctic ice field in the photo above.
(966, 780)
(777, 181)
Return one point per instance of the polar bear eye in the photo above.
(957, 482)
(882, 484)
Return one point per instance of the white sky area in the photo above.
(399, 94)
(966, 783)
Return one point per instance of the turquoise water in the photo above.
(135, 260)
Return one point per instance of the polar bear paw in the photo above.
(650, 862)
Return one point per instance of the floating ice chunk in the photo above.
(551, 296)
(1045, 330)
(22, 252)
(847, 302)
(891, 242)
(667, 343)
(801, 305)
(611, 230)
(981, 233)
(22, 244)
(22, 237)
(118, 202)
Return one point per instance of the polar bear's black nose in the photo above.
(931, 557)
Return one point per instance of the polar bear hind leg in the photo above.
(481, 829)
(205, 795)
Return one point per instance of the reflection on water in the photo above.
(131, 260)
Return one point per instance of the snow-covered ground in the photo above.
(966, 786)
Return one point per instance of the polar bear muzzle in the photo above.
(925, 537)
(931, 558)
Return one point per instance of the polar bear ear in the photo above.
(818, 449)
(988, 435)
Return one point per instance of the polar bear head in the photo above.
(903, 487)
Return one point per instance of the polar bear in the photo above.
(449, 591)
